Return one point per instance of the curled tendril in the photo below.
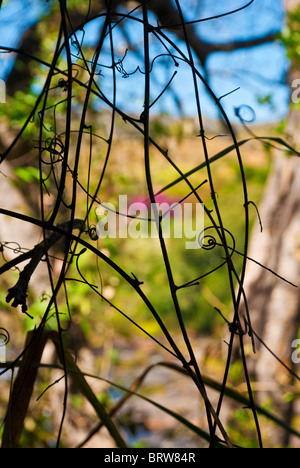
(92, 232)
(4, 337)
(239, 113)
(63, 83)
(14, 247)
(55, 147)
(209, 242)
(120, 67)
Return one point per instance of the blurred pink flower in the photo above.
(161, 199)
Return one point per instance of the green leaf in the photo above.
(79, 380)
(230, 393)
(234, 395)
(28, 174)
(133, 392)
(224, 152)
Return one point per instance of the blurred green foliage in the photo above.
(290, 35)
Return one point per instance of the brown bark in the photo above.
(274, 304)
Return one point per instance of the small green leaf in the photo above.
(28, 174)
(82, 385)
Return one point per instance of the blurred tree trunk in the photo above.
(275, 305)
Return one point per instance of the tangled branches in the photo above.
(79, 83)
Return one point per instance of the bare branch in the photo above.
(18, 293)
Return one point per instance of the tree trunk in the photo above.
(274, 304)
